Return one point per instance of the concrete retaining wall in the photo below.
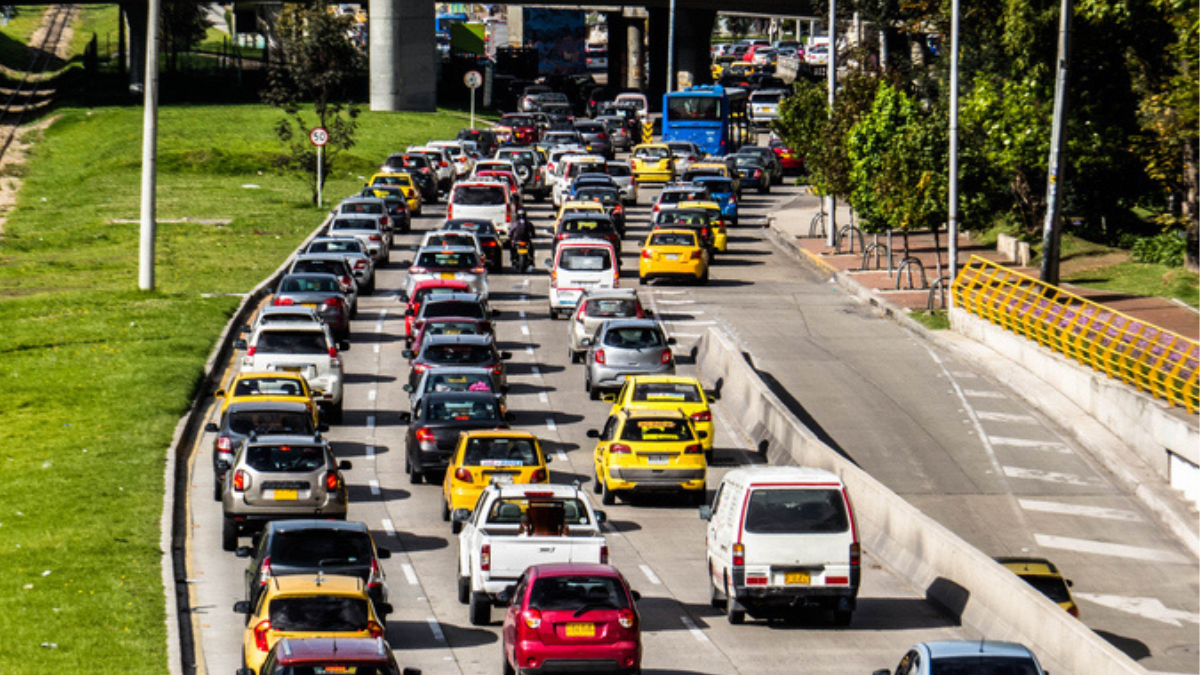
(984, 596)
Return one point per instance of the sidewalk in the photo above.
(792, 225)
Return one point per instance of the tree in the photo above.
(313, 71)
(183, 26)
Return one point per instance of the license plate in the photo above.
(292, 369)
(672, 256)
(447, 275)
(310, 305)
(501, 478)
(285, 495)
(658, 460)
(799, 578)
(581, 630)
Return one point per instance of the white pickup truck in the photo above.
(515, 526)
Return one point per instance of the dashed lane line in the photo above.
(1079, 510)
(1113, 550)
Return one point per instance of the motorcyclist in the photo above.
(522, 232)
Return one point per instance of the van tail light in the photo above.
(666, 356)
(600, 356)
(603, 554)
(739, 555)
(532, 618)
(619, 449)
(702, 416)
(283, 302)
(264, 572)
(261, 629)
(449, 211)
(463, 474)
(485, 559)
(626, 618)
(375, 629)
(241, 481)
(756, 580)
(539, 476)
(695, 449)
(424, 435)
(855, 554)
(333, 482)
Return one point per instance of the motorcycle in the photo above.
(522, 259)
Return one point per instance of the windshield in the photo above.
(469, 310)
(586, 226)
(310, 548)
(475, 409)
(457, 354)
(608, 308)
(353, 224)
(577, 592)
(619, 170)
(268, 386)
(634, 337)
(585, 259)
(347, 246)
(746, 160)
(607, 197)
(766, 98)
(291, 342)
(1051, 587)
(476, 226)
(652, 153)
(511, 510)
(400, 179)
(285, 458)
(500, 452)
(982, 665)
(657, 430)
(452, 328)
(323, 613)
(320, 266)
(471, 382)
(676, 196)
(796, 511)
(309, 284)
(681, 218)
(374, 208)
(673, 239)
(693, 108)
(449, 239)
(719, 186)
(458, 260)
(667, 391)
(245, 422)
(517, 120)
(478, 195)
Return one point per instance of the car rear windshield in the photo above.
(721, 186)
(457, 354)
(450, 239)
(309, 284)
(796, 511)
(374, 208)
(353, 224)
(590, 226)
(766, 98)
(663, 430)
(619, 170)
(458, 260)
(611, 308)
(268, 386)
(589, 127)
(1051, 587)
(470, 310)
(580, 169)
(634, 337)
(453, 328)
(285, 458)
(479, 195)
(284, 317)
(606, 196)
(270, 422)
(672, 239)
(291, 342)
(320, 548)
(982, 665)
(348, 246)
(500, 452)
(319, 613)
(517, 120)
(676, 196)
(478, 409)
(681, 218)
(479, 227)
(577, 592)
(319, 267)
(399, 179)
(464, 382)
(746, 160)
(585, 259)
(334, 668)
(674, 392)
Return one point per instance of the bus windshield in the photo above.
(694, 108)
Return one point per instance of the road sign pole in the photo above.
(472, 108)
(320, 153)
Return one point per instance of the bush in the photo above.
(1163, 249)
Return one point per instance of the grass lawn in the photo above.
(1093, 265)
(97, 374)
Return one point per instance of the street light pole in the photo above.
(831, 83)
(149, 223)
(671, 48)
(1050, 229)
(953, 206)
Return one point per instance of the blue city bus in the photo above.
(711, 116)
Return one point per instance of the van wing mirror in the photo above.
(706, 512)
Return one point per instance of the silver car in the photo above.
(595, 308)
(622, 175)
(305, 348)
(460, 263)
(366, 230)
(455, 378)
(277, 478)
(624, 347)
(354, 253)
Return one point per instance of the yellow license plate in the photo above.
(286, 495)
(581, 630)
(447, 275)
(800, 578)
(310, 305)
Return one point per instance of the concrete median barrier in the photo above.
(965, 583)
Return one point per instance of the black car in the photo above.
(484, 139)
(289, 547)
(464, 351)
(588, 226)
(434, 426)
(395, 202)
(610, 197)
(753, 173)
(255, 417)
(420, 168)
(767, 158)
(488, 238)
(697, 220)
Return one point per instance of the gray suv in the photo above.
(624, 347)
(281, 477)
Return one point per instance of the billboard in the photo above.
(559, 36)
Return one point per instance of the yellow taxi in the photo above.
(570, 206)
(720, 225)
(269, 386)
(677, 392)
(1045, 577)
(304, 606)
(720, 63)
(742, 68)
(648, 451)
(673, 254)
(485, 457)
(653, 163)
(412, 194)
(715, 167)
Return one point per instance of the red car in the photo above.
(423, 290)
(517, 128)
(365, 656)
(570, 615)
(789, 160)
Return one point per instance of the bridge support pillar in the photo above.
(402, 55)
(618, 56)
(635, 50)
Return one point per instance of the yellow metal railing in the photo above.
(1154, 360)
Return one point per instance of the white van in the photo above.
(579, 266)
(484, 200)
(782, 539)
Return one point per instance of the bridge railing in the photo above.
(1157, 361)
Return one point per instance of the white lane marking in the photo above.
(692, 323)
(1030, 444)
(436, 629)
(524, 282)
(676, 302)
(521, 313)
(983, 394)
(650, 574)
(687, 335)
(524, 330)
(658, 292)
(372, 394)
(1079, 510)
(379, 327)
(389, 527)
(963, 374)
(533, 370)
(376, 349)
(543, 397)
(696, 632)
(1051, 477)
(561, 455)
(374, 487)
(1112, 550)
(1150, 608)
(383, 314)
(551, 425)
(962, 396)
(370, 421)
(1006, 417)
(371, 453)
(410, 574)
(529, 349)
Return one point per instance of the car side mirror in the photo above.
(411, 671)
(608, 398)
(408, 388)
(408, 354)
(585, 342)
(405, 264)
(241, 607)
(670, 340)
(504, 356)
(211, 428)
(601, 516)
(593, 433)
(385, 608)
(702, 434)
(405, 417)
(712, 395)
(495, 313)
(323, 427)
(239, 344)
(220, 393)
(245, 328)
(549, 262)
(460, 515)
(648, 313)
(1070, 583)
(636, 596)
(244, 552)
(345, 465)
(706, 512)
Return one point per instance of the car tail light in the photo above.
(360, 264)
(420, 367)
(666, 356)
(532, 618)
(224, 444)
(375, 237)
(539, 476)
(757, 173)
(383, 220)
(855, 555)
(834, 581)
(1073, 610)
(619, 449)
(478, 270)
(261, 629)
(702, 416)
(374, 579)
(333, 482)
(346, 282)
(485, 558)
(251, 350)
(264, 572)
(704, 232)
(424, 435)
(626, 618)
(497, 369)
(241, 481)
(283, 302)
(443, 164)
(697, 255)
(333, 352)
(491, 243)
(561, 235)
(375, 629)
(450, 211)
(417, 270)
(739, 555)
(603, 554)
(334, 302)
(600, 356)
(463, 475)
(646, 254)
(694, 449)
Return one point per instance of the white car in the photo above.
(622, 174)
(483, 200)
(579, 266)
(444, 238)
(463, 163)
(570, 169)
(305, 348)
(460, 263)
(442, 164)
(497, 542)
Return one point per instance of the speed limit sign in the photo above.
(473, 79)
(318, 136)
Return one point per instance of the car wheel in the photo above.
(607, 496)
(479, 609)
(335, 413)
(445, 511)
(508, 669)
(416, 477)
(734, 611)
(455, 527)
(218, 487)
(593, 392)
(596, 483)
(700, 496)
(553, 314)
(229, 534)
(714, 596)
(764, 189)
(464, 590)
(842, 617)
(708, 456)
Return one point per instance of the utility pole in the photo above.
(1051, 235)
(831, 82)
(953, 206)
(149, 225)
(671, 49)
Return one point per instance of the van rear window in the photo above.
(585, 260)
(478, 195)
(798, 511)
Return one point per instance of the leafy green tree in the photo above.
(183, 26)
(312, 74)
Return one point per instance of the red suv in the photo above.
(362, 656)
(571, 616)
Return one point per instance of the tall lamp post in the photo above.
(149, 225)
(953, 206)
(671, 48)
(1050, 229)
(831, 83)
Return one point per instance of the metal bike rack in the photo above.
(846, 230)
(906, 265)
(874, 248)
(816, 226)
(937, 290)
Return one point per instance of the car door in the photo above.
(606, 435)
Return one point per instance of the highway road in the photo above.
(909, 413)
